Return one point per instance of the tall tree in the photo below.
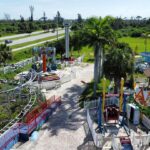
(44, 16)
(7, 17)
(21, 18)
(119, 63)
(79, 19)
(97, 32)
(58, 19)
(31, 11)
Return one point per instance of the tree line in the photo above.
(8, 26)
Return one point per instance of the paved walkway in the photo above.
(64, 130)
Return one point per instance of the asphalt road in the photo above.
(31, 45)
(20, 35)
(33, 38)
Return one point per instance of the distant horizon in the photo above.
(37, 19)
(70, 9)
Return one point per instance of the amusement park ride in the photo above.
(31, 118)
(111, 106)
(110, 119)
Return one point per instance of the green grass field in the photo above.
(137, 44)
(88, 54)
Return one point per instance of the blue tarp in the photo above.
(146, 56)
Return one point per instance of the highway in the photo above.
(36, 37)
(20, 35)
(31, 45)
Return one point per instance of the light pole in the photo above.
(67, 24)
(57, 27)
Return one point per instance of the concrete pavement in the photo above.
(64, 130)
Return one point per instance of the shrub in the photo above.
(136, 33)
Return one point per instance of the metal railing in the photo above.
(32, 98)
(21, 64)
(97, 137)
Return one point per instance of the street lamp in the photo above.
(66, 25)
(57, 27)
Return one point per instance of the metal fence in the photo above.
(97, 137)
(16, 93)
(91, 104)
(94, 103)
(21, 64)
(140, 142)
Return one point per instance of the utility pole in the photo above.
(57, 25)
(66, 24)
(31, 11)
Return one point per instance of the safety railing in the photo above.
(21, 64)
(97, 137)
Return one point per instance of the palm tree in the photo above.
(97, 32)
(119, 63)
(5, 53)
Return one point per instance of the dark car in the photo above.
(8, 41)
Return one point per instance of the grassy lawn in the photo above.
(88, 93)
(136, 44)
(88, 54)
(7, 34)
(11, 75)
(27, 53)
(34, 42)
(21, 55)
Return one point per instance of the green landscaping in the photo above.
(11, 75)
(88, 93)
(87, 52)
(137, 44)
(21, 55)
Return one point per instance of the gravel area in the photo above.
(64, 130)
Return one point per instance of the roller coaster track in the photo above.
(32, 99)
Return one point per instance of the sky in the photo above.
(70, 8)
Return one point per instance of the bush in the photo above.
(136, 33)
